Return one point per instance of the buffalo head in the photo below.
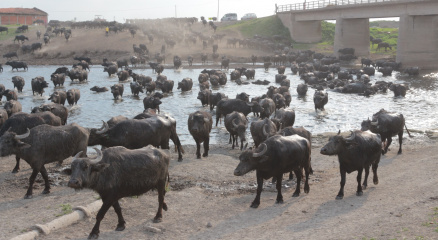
(250, 159)
(83, 169)
(337, 143)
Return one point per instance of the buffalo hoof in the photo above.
(205, 155)
(255, 205)
(279, 201)
(376, 181)
(291, 176)
(198, 156)
(120, 227)
(164, 206)
(307, 189)
(339, 197)
(296, 194)
(15, 170)
(93, 236)
(399, 152)
(364, 187)
(27, 196)
(158, 219)
(46, 191)
(180, 159)
(359, 194)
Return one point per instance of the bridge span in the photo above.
(417, 43)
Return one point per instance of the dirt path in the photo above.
(401, 206)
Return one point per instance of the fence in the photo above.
(330, 3)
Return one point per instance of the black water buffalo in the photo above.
(73, 96)
(200, 124)
(117, 90)
(262, 130)
(87, 59)
(412, 71)
(123, 75)
(204, 96)
(133, 134)
(399, 89)
(36, 46)
(383, 45)
(185, 85)
(243, 96)
(268, 107)
(99, 89)
(235, 74)
(177, 62)
(367, 62)
(249, 74)
(347, 51)
(58, 79)
(61, 70)
(214, 98)
(10, 95)
(280, 101)
(21, 38)
(320, 98)
(150, 86)
(275, 156)
(166, 86)
(284, 118)
(58, 97)
(387, 125)
(136, 88)
(46, 39)
(386, 71)
(152, 102)
(17, 65)
(236, 124)
(78, 73)
(44, 144)
(302, 89)
(226, 106)
(281, 69)
(355, 153)
(38, 85)
(225, 63)
(58, 110)
(83, 64)
(4, 29)
(3, 116)
(10, 55)
(12, 106)
(111, 69)
(114, 175)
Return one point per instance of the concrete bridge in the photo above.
(417, 43)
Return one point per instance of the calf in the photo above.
(200, 124)
(275, 156)
(114, 173)
(355, 153)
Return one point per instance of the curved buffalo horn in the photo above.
(375, 123)
(98, 157)
(259, 154)
(339, 132)
(234, 124)
(18, 137)
(103, 129)
(353, 135)
(78, 155)
(264, 131)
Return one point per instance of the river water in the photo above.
(343, 111)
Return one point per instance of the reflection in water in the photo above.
(343, 111)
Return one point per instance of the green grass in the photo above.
(11, 32)
(266, 26)
(65, 209)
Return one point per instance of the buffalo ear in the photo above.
(99, 167)
(23, 145)
(66, 171)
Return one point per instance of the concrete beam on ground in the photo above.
(418, 41)
(352, 33)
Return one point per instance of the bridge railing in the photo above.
(309, 5)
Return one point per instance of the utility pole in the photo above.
(175, 12)
(218, 10)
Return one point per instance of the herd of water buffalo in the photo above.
(44, 136)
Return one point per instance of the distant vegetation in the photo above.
(11, 32)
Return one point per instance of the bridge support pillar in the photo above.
(301, 31)
(353, 33)
(418, 41)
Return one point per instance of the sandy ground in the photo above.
(207, 201)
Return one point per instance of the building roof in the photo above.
(24, 11)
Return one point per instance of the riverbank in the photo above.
(207, 201)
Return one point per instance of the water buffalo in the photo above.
(284, 118)
(114, 173)
(166, 86)
(58, 110)
(12, 106)
(399, 89)
(44, 144)
(152, 102)
(111, 69)
(200, 124)
(355, 153)
(99, 89)
(10, 55)
(412, 71)
(150, 86)
(17, 65)
(123, 75)
(226, 106)
(225, 63)
(236, 124)
(3, 116)
(214, 98)
(320, 98)
(10, 95)
(275, 156)
(185, 85)
(383, 45)
(18, 83)
(117, 90)
(73, 96)
(21, 38)
(281, 69)
(61, 70)
(78, 73)
(177, 62)
(38, 85)
(268, 107)
(204, 97)
(302, 89)
(133, 134)
(136, 88)
(36, 46)
(58, 97)
(262, 130)
(58, 79)
(387, 125)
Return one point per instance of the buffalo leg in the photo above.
(365, 181)
(118, 210)
(43, 172)
(206, 147)
(198, 149)
(343, 180)
(241, 144)
(31, 181)
(306, 183)
(102, 211)
(388, 142)
(291, 175)
(359, 179)
(375, 177)
(297, 172)
(230, 139)
(279, 196)
(400, 141)
(161, 191)
(234, 140)
(17, 166)
(256, 202)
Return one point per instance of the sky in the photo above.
(119, 10)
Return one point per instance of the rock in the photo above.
(209, 225)
(153, 229)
